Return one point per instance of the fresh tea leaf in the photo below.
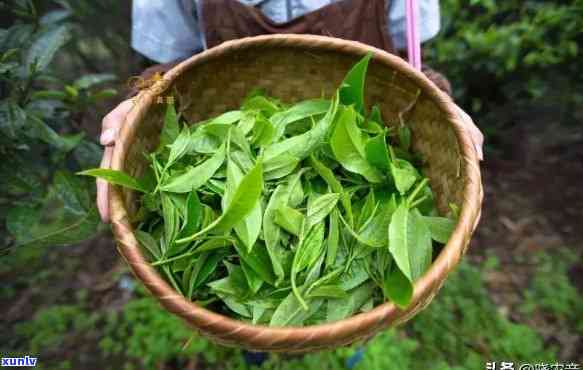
(397, 287)
(341, 308)
(319, 209)
(410, 242)
(271, 231)
(195, 177)
(179, 147)
(300, 111)
(308, 251)
(404, 174)
(352, 88)
(244, 200)
(289, 219)
(170, 130)
(193, 214)
(440, 228)
(335, 185)
(333, 239)
(247, 229)
(301, 146)
(349, 149)
(378, 154)
(117, 178)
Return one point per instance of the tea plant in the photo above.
(511, 52)
(41, 202)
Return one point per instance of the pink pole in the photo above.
(413, 42)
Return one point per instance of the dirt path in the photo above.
(533, 202)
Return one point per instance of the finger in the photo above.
(103, 187)
(477, 219)
(112, 122)
(475, 133)
(477, 137)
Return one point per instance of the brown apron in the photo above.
(357, 20)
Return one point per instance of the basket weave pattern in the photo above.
(293, 68)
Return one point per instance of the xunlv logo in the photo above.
(26, 361)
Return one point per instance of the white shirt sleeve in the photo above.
(429, 21)
(165, 30)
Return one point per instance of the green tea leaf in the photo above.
(244, 199)
(440, 228)
(289, 219)
(117, 178)
(247, 229)
(258, 260)
(339, 309)
(234, 284)
(335, 185)
(404, 174)
(227, 118)
(307, 252)
(352, 88)
(193, 214)
(291, 313)
(328, 291)
(280, 166)
(148, 242)
(45, 46)
(271, 231)
(170, 130)
(91, 80)
(202, 269)
(301, 146)
(171, 223)
(297, 112)
(397, 287)
(320, 208)
(375, 232)
(349, 149)
(260, 103)
(65, 216)
(410, 242)
(333, 239)
(254, 281)
(237, 306)
(195, 177)
(354, 276)
(179, 147)
(377, 153)
(263, 132)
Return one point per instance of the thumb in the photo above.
(103, 187)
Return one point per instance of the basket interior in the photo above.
(291, 74)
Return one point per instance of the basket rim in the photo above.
(228, 330)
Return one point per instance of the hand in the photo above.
(110, 127)
(475, 133)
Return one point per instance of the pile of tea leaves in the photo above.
(288, 215)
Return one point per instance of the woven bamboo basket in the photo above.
(292, 68)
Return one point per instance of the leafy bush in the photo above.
(144, 333)
(41, 201)
(499, 52)
(552, 292)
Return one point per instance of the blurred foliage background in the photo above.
(67, 297)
